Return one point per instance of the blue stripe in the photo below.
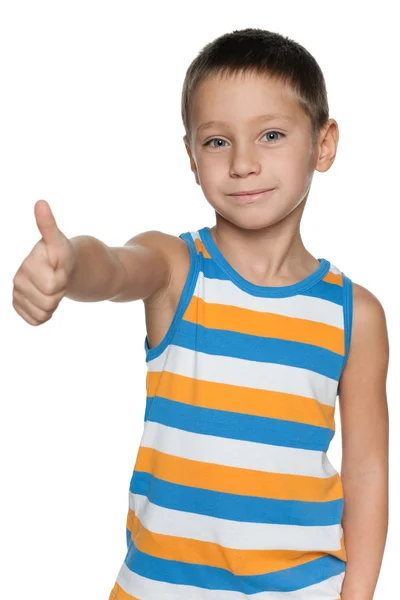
(326, 291)
(216, 578)
(321, 289)
(235, 507)
(257, 348)
(348, 312)
(149, 404)
(347, 318)
(239, 426)
(128, 537)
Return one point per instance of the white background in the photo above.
(90, 122)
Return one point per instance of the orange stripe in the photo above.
(335, 278)
(239, 562)
(200, 247)
(243, 400)
(117, 593)
(264, 324)
(237, 480)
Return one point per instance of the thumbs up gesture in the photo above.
(41, 281)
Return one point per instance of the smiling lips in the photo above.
(251, 196)
(249, 192)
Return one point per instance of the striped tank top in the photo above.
(232, 495)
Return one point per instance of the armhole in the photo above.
(184, 300)
(347, 316)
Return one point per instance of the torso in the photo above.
(231, 476)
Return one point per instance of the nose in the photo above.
(244, 161)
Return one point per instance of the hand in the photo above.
(41, 281)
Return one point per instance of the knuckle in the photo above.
(17, 280)
(49, 286)
(41, 315)
(63, 279)
(49, 303)
(30, 311)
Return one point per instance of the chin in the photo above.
(250, 220)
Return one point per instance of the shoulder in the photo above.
(174, 253)
(368, 311)
(369, 344)
(155, 238)
(170, 247)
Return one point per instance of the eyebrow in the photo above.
(269, 117)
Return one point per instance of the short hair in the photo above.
(264, 53)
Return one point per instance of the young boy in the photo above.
(250, 338)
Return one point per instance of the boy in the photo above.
(249, 340)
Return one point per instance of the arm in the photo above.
(365, 431)
(137, 270)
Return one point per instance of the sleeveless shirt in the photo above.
(232, 495)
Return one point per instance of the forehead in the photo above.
(241, 98)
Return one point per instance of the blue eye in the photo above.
(269, 133)
(213, 140)
(220, 140)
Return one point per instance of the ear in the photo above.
(193, 165)
(327, 145)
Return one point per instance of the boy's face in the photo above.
(243, 152)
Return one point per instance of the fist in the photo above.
(41, 280)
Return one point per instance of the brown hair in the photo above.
(264, 53)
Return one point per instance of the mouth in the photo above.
(245, 197)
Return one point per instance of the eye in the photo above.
(221, 140)
(213, 140)
(271, 132)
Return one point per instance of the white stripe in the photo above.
(240, 535)
(246, 373)
(236, 453)
(225, 292)
(195, 235)
(151, 589)
(334, 269)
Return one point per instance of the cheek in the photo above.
(212, 170)
(289, 168)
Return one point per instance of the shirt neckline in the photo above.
(261, 290)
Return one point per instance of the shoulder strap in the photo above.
(190, 238)
(347, 314)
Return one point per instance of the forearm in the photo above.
(365, 524)
(97, 272)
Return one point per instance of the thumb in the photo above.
(47, 224)
(54, 240)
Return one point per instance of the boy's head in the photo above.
(232, 82)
